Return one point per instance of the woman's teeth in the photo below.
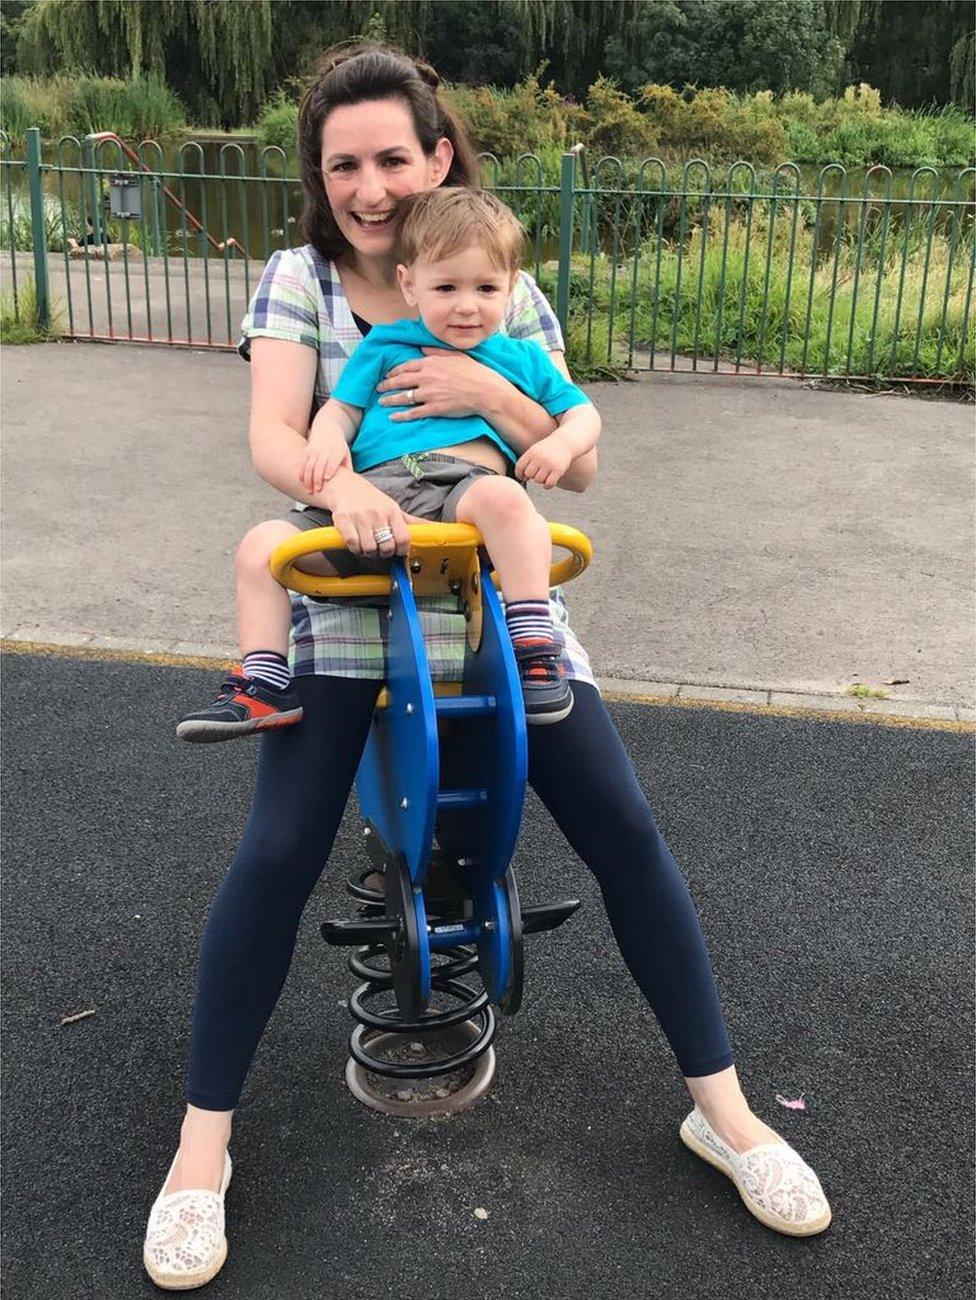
(372, 219)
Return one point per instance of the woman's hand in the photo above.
(360, 511)
(443, 383)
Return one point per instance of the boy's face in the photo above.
(462, 298)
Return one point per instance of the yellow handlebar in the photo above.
(444, 537)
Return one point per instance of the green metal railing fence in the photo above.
(865, 275)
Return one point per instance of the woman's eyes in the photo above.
(348, 166)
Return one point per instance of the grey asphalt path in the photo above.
(831, 867)
(749, 533)
(167, 299)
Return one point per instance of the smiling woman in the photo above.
(373, 133)
(364, 188)
(373, 129)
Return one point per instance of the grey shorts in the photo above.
(425, 484)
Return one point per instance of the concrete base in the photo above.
(429, 1098)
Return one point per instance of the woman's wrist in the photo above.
(496, 395)
(340, 479)
(519, 419)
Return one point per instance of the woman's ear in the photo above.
(405, 280)
(440, 161)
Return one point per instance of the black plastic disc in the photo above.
(404, 945)
(511, 1000)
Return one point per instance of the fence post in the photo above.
(567, 185)
(93, 183)
(38, 235)
(586, 216)
(156, 222)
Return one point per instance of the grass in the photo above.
(19, 321)
(861, 692)
(810, 317)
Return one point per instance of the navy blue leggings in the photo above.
(580, 771)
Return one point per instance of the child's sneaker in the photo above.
(242, 706)
(546, 691)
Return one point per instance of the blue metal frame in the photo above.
(399, 778)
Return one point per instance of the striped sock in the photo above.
(530, 627)
(268, 667)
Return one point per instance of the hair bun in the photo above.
(338, 54)
(427, 73)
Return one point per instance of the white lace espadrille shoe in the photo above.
(777, 1186)
(185, 1243)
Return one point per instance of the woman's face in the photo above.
(371, 158)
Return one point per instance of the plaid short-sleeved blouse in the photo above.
(300, 299)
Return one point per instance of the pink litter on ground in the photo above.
(791, 1104)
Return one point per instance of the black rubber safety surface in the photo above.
(832, 865)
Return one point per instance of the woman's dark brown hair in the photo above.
(352, 74)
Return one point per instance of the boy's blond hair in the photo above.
(440, 222)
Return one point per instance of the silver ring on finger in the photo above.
(383, 535)
(412, 396)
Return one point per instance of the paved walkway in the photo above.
(193, 301)
(757, 541)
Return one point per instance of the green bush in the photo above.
(952, 132)
(847, 143)
(711, 122)
(277, 125)
(910, 144)
(803, 143)
(797, 106)
(716, 124)
(526, 119)
(612, 124)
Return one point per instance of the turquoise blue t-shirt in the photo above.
(523, 362)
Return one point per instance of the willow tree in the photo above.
(212, 52)
(962, 69)
(304, 28)
(571, 34)
(916, 54)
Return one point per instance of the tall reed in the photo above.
(76, 105)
